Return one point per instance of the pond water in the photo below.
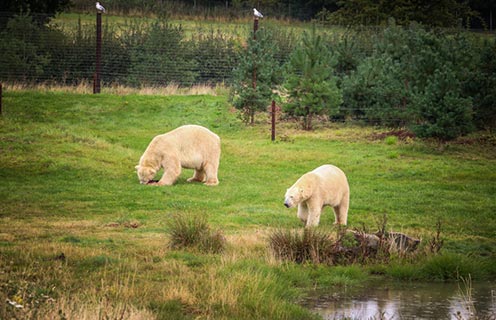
(407, 301)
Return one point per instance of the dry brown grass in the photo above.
(86, 87)
(69, 308)
(245, 245)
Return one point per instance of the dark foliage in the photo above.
(216, 57)
(416, 78)
(310, 82)
(40, 10)
(476, 13)
(433, 83)
(482, 87)
(163, 57)
(255, 76)
(448, 13)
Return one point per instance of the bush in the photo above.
(376, 93)
(482, 87)
(163, 57)
(450, 267)
(309, 245)
(415, 78)
(21, 54)
(441, 111)
(258, 61)
(215, 56)
(311, 87)
(194, 232)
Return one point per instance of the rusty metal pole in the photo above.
(255, 27)
(97, 80)
(273, 120)
(1, 94)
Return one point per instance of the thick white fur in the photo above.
(325, 186)
(189, 146)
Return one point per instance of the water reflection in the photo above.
(408, 301)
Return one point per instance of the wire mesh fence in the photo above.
(135, 52)
(392, 76)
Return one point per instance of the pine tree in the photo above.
(255, 77)
(310, 84)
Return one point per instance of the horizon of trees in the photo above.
(438, 83)
(478, 14)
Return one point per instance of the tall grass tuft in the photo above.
(346, 247)
(193, 231)
(309, 245)
(466, 293)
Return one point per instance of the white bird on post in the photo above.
(99, 7)
(257, 13)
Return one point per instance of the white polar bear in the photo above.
(325, 186)
(189, 146)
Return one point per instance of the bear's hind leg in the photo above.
(211, 174)
(198, 176)
(341, 214)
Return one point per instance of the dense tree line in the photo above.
(453, 13)
(155, 54)
(447, 13)
(40, 10)
(436, 82)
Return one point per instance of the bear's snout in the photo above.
(288, 204)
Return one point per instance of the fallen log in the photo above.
(392, 240)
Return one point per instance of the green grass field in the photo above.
(81, 238)
(236, 29)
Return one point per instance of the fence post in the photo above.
(273, 120)
(96, 81)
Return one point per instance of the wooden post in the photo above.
(97, 80)
(273, 120)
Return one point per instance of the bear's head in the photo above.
(295, 195)
(145, 174)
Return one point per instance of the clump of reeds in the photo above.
(466, 294)
(307, 245)
(193, 231)
(347, 246)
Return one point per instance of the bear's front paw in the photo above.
(212, 183)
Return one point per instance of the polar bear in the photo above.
(189, 146)
(325, 186)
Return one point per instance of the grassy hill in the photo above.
(80, 237)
